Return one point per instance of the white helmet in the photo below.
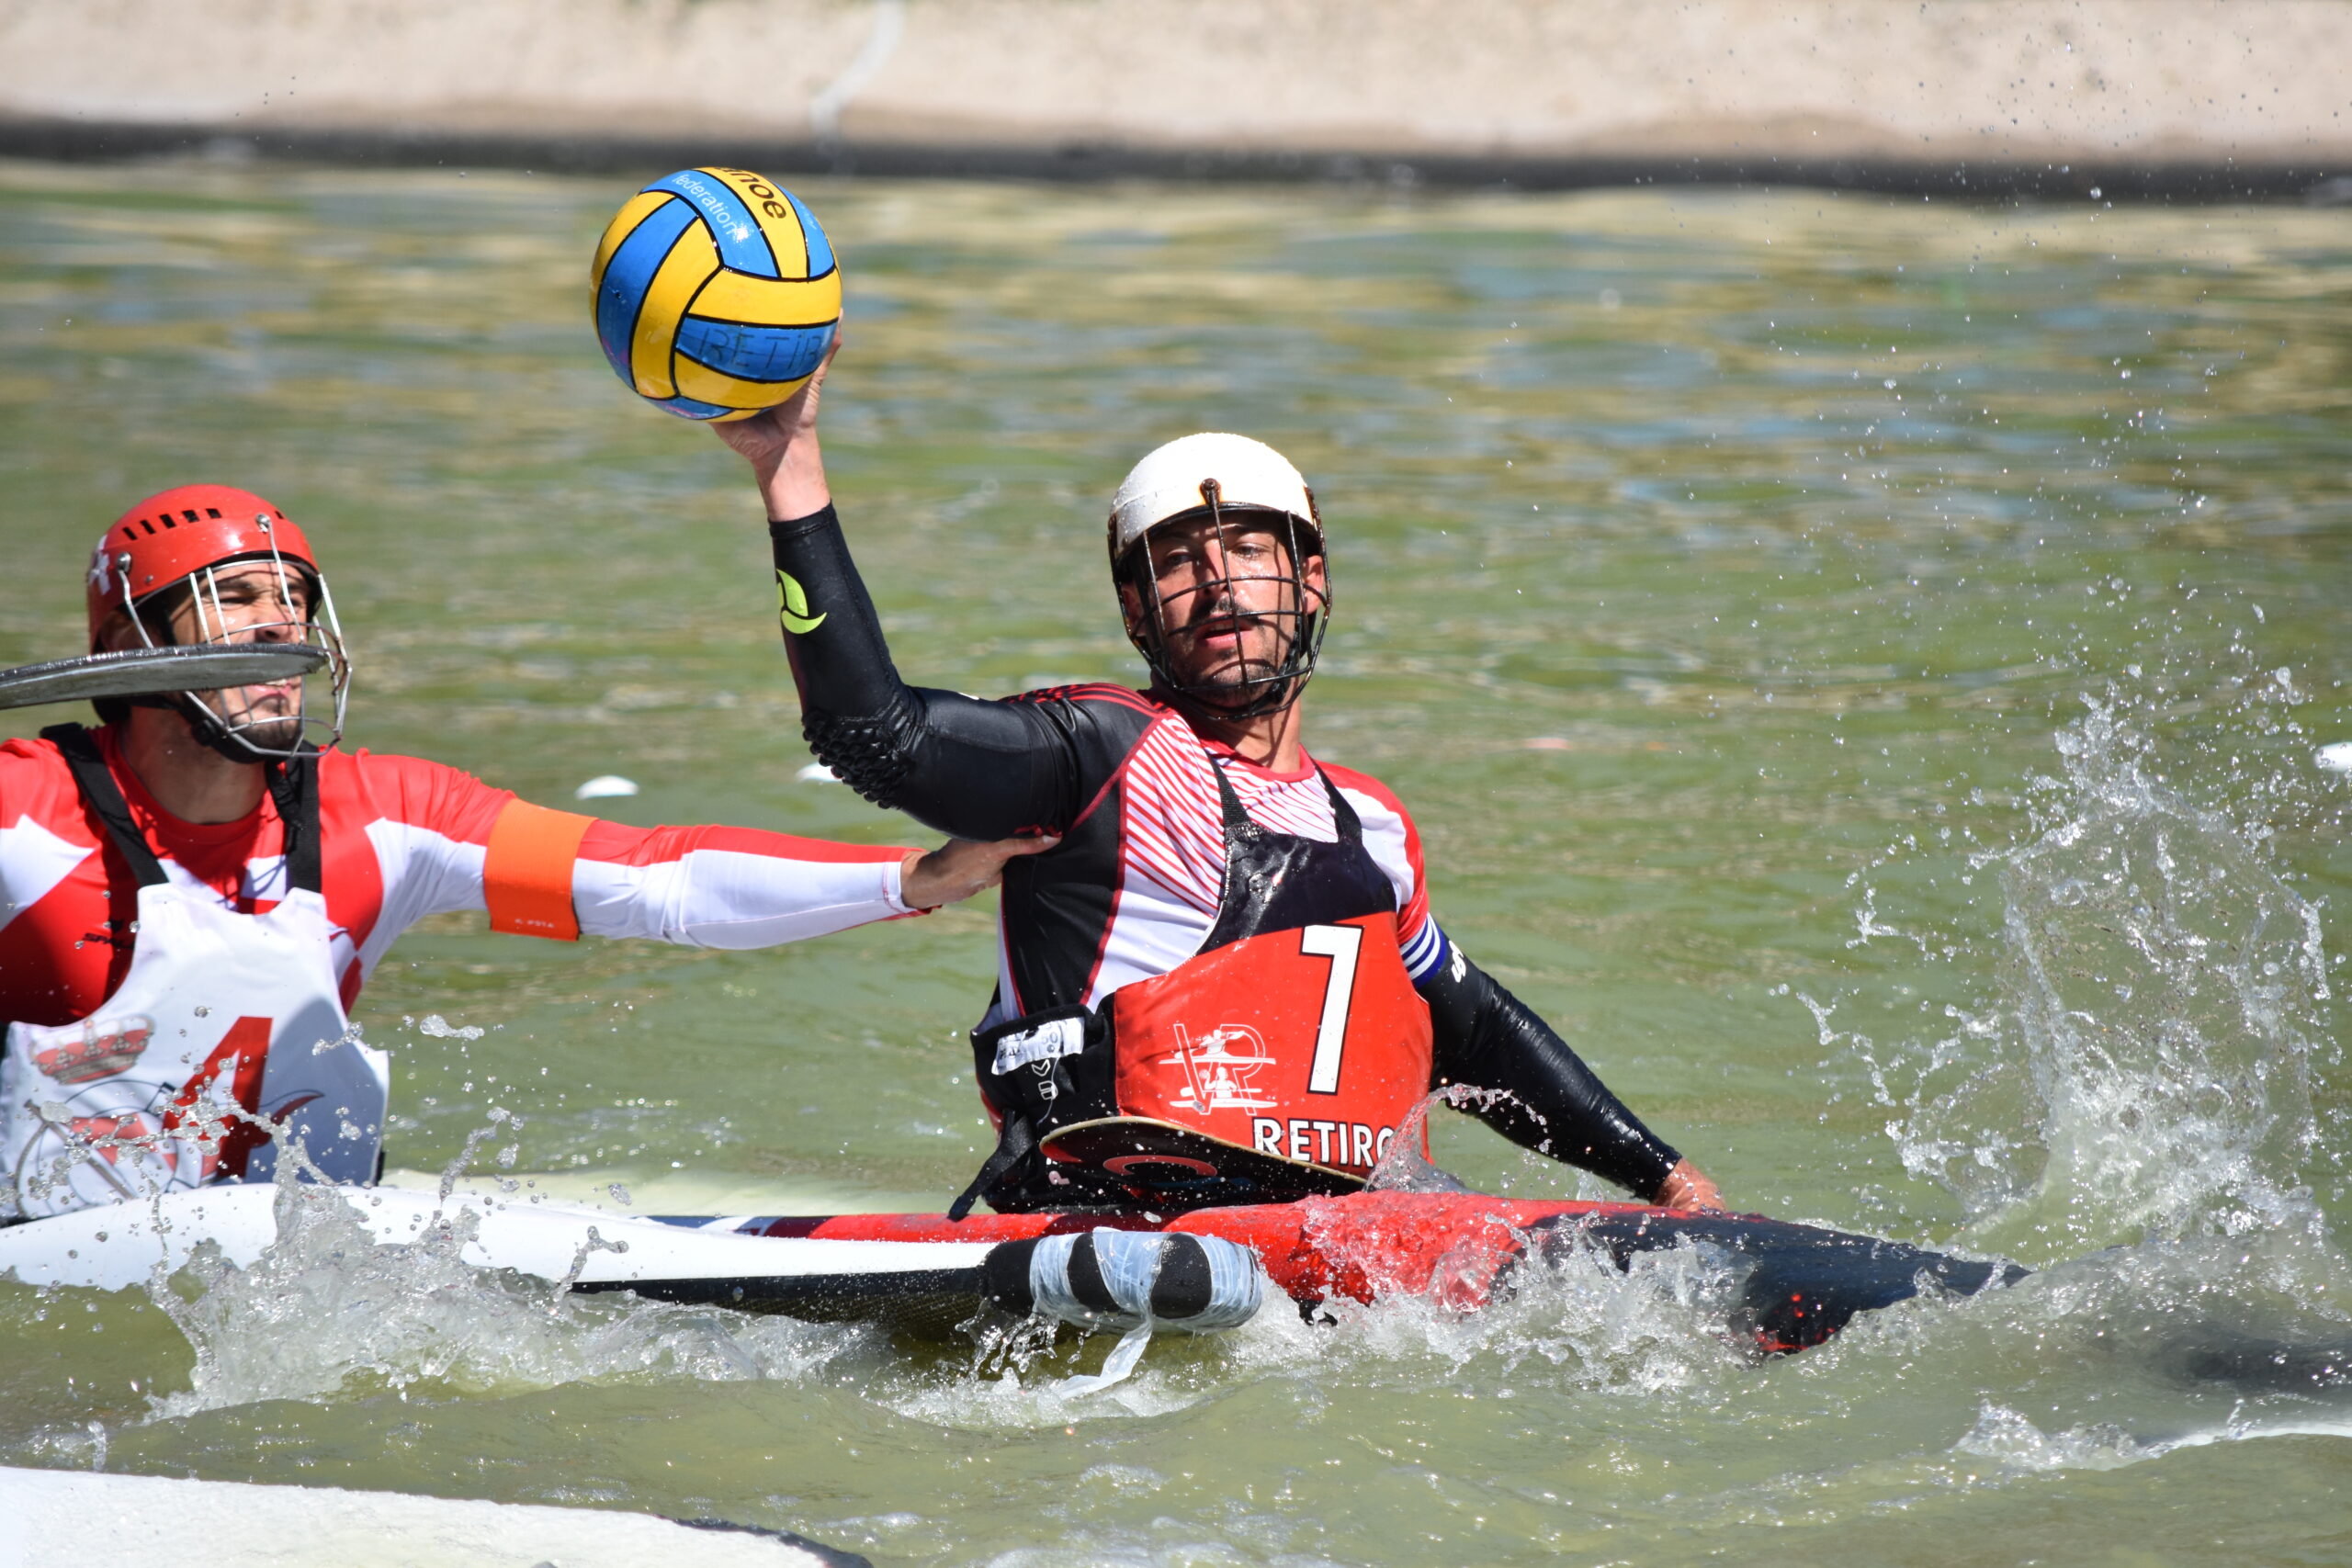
(1213, 475)
(1172, 481)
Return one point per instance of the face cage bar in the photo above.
(1276, 690)
(323, 630)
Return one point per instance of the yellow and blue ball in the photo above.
(717, 293)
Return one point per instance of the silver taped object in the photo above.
(1129, 1262)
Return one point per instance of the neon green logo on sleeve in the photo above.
(792, 606)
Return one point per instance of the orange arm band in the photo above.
(526, 873)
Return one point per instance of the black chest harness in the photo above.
(1056, 1069)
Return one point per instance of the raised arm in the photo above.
(976, 769)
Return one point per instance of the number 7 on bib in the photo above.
(1339, 945)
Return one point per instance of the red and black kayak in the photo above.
(1798, 1284)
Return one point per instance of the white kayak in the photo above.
(120, 1245)
(1180, 1281)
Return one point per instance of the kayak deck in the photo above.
(925, 1273)
(1800, 1283)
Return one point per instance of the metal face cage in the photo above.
(1299, 615)
(224, 718)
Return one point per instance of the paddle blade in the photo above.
(150, 672)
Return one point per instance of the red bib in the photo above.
(1309, 1045)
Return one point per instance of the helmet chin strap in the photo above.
(204, 726)
(213, 734)
(1279, 696)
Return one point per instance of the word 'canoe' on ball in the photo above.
(717, 293)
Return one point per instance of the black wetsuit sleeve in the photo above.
(972, 767)
(1487, 1037)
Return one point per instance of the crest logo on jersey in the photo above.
(92, 1049)
(1221, 1069)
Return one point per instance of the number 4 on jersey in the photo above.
(1339, 945)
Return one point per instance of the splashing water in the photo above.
(2148, 1069)
(1574, 1318)
(326, 1311)
(1406, 1167)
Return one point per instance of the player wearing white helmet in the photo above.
(1229, 603)
(1224, 984)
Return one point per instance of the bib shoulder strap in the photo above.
(294, 786)
(1237, 824)
(1351, 825)
(105, 797)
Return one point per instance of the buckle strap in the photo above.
(104, 796)
(1016, 1144)
(294, 786)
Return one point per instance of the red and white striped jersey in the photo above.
(1157, 824)
(400, 839)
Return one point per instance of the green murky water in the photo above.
(1721, 578)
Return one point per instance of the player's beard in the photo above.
(1241, 674)
(273, 734)
(276, 731)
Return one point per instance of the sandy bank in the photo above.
(1983, 93)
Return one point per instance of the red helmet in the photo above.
(169, 537)
(183, 535)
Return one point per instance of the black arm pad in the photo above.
(1488, 1038)
(975, 769)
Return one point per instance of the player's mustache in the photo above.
(1207, 615)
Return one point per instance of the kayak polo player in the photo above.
(192, 894)
(1223, 984)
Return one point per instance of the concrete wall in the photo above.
(1485, 83)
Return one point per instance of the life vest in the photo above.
(1276, 1061)
(226, 1033)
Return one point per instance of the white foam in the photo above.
(2146, 1068)
(2007, 1438)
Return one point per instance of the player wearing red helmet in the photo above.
(215, 564)
(192, 895)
